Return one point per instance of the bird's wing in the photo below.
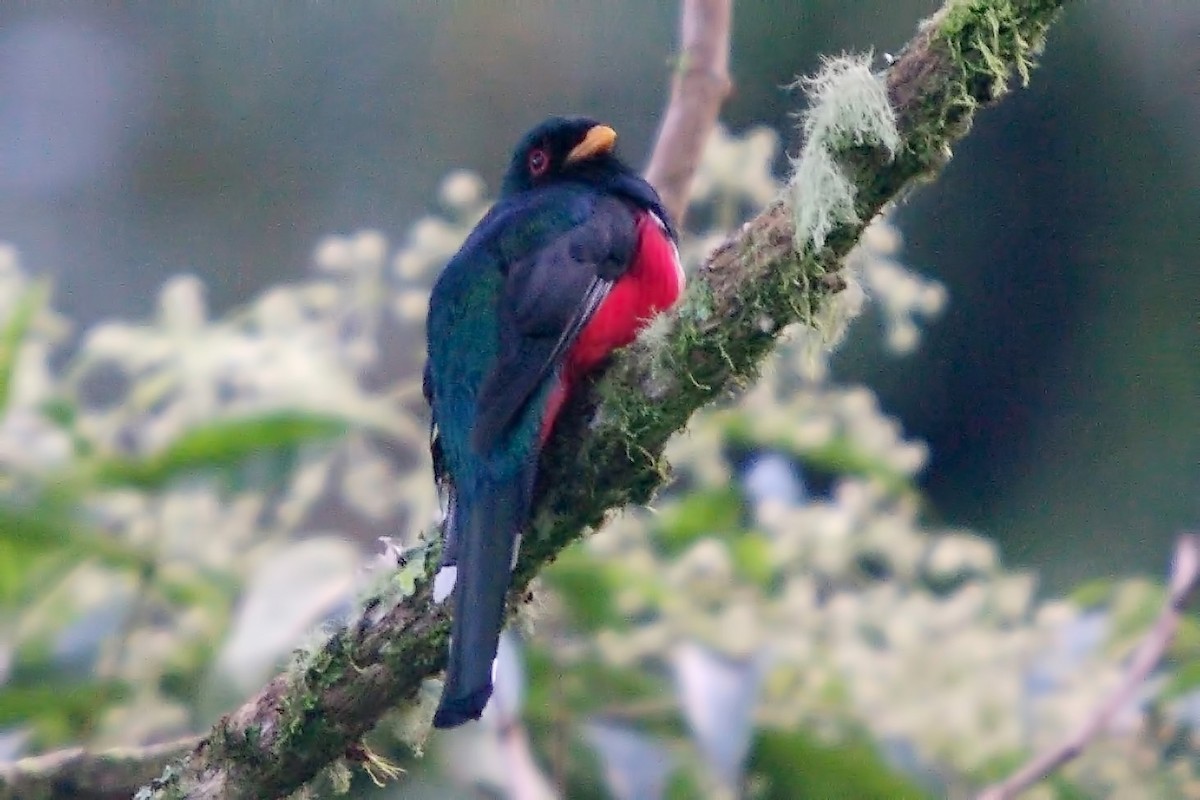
(549, 296)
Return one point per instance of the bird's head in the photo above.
(563, 148)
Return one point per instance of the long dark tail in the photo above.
(488, 518)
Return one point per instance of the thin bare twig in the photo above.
(80, 775)
(1185, 576)
(698, 90)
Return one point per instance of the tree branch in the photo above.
(698, 90)
(78, 774)
(607, 452)
(1185, 575)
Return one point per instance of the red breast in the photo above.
(652, 284)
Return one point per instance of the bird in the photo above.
(574, 259)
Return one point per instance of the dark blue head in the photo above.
(580, 150)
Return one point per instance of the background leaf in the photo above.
(219, 445)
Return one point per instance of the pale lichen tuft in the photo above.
(848, 106)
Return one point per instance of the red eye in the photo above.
(538, 162)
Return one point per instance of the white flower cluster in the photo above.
(865, 620)
(901, 296)
(133, 389)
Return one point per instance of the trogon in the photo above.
(572, 261)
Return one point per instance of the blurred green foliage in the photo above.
(804, 769)
(221, 445)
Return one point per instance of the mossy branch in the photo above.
(608, 450)
(106, 775)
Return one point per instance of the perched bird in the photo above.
(575, 257)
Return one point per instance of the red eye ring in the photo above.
(539, 162)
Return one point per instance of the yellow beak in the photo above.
(600, 139)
